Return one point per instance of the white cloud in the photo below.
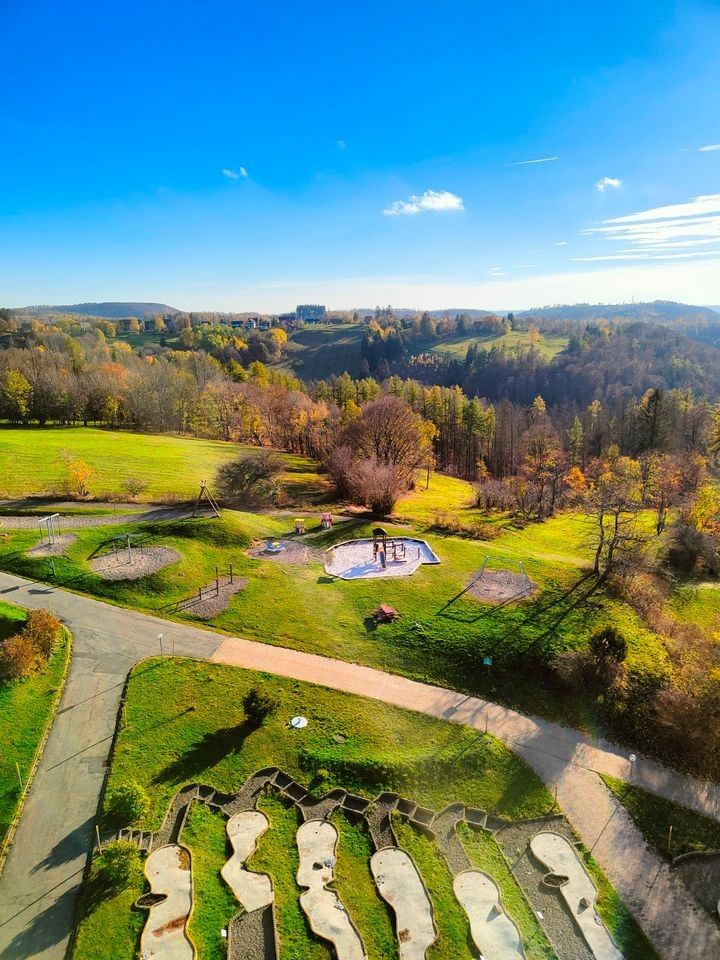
(608, 182)
(670, 230)
(431, 200)
(524, 163)
(341, 144)
(709, 148)
(561, 243)
(496, 272)
(239, 174)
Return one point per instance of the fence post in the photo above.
(217, 582)
(231, 574)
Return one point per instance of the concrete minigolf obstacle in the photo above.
(317, 843)
(252, 890)
(578, 890)
(164, 936)
(399, 884)
(493, 932)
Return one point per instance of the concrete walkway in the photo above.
(39, 885)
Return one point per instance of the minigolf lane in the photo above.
(399, 884)
(317, 843)
(252, 890)
(493, 932)
(579, 891)
(164, 936)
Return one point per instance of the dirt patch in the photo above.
(55, 549)
(501, 586)
(141, 562)
(290, 551)
(211, 600)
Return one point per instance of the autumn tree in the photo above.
(613, 498)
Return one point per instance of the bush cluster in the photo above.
(29, 650)
(477, 529)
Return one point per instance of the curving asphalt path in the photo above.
(40, 882)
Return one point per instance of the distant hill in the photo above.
(666, 312)
(111, 309)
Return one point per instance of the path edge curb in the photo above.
(39, 750)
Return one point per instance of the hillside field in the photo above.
(318, 352)
(456, 347)
(173, 467)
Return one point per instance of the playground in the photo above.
(381, 556)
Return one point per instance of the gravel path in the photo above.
(80, 522)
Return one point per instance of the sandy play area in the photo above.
(500, 586)
(141, 562)
(55, 549)
(358, 560)
(284, 551)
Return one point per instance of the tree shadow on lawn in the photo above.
(206, 753)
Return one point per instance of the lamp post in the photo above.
(160, 640)
(632, 758)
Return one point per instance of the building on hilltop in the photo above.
(311, 313)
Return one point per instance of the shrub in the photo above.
(120, 863)
(258, 706)
(609, 644)
(250, 479)
(128, 803)
(42, 630)
(18, 657)
(134, 486)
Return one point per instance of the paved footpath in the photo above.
(40, 882)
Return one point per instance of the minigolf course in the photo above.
(493, 932)
(252, 890)
(578, 890)
(399, 884)
(164, 936)
(317, 843)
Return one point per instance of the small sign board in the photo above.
(487, 661)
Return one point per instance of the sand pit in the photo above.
(55, 549)
(141, 563)
(317, 842)
(399, 884)
(357, 559)
(500, 586)
(252, 890)
(579, 892)
(288, 551)
(164, 936)
(494, 933)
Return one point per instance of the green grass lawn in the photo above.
(183, 722)
(697, 602)
(691, 831)
(456, 347)
(173, 467)
(25, 706)
(319, 352)
(437, 638)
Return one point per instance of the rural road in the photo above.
(40, 882)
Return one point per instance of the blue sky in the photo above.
(256, 155)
